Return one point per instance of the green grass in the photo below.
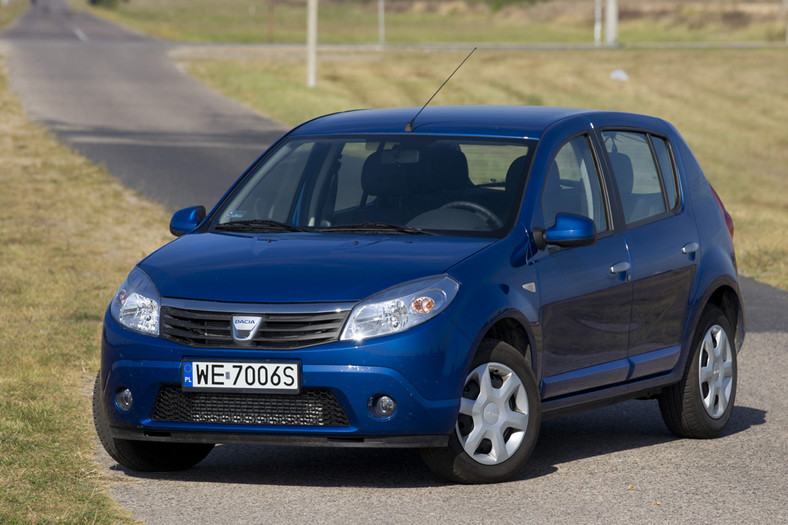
(434, 21)
(65, 244)
(729, 105)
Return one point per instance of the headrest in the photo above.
(447, 170)
(515, 172)
(622, 169)
(391, 173)
(409, 171)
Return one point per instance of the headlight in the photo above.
(400, 308)
(137, 303)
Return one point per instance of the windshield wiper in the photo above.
(257, 225)
(374, 227)
(363, 227)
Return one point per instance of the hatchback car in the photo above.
(443, 283)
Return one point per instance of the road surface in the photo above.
(118, 99)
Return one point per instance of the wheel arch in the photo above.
(726, 298)
(510, 330)
(725, 295)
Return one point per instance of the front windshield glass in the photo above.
(391, 184)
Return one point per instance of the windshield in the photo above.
(393, 184)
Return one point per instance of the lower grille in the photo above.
(309, 408)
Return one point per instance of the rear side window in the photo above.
(643, 172)
(666, 170)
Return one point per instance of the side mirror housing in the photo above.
(568, 231)
(186, 220)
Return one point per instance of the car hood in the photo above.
(298, 267)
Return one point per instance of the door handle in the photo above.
(689, 248)
(620, 267)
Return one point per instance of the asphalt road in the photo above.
(118, 99)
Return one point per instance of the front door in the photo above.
(585, 292)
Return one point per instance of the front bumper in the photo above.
(422, 369)
(293, 440)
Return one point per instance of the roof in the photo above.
(499, 121)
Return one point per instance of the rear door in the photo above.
(663, 244)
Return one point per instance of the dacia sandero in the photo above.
(443, 282)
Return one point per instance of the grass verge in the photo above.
(727, 103)
(65, 244)
(11, 11)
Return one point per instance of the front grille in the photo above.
(279, 331)
(309, 408)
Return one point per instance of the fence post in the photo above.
(311, 44)
(611, 23)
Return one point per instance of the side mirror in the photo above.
(568, 231)
(186, 220)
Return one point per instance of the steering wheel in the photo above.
(478, 209)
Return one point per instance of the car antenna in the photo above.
(409, 125)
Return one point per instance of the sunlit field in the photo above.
(442, 21)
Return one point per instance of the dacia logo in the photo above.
(246, 326)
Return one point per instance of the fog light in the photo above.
(382, 406)
(124, 399)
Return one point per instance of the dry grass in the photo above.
(729, 104)
(66, 242)
(431, 21)
(10, 12)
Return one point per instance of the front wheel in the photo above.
(700, 405)
(145, 456)
(498, 423)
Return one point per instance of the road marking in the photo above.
(82, 36)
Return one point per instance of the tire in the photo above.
(145, 456)
(498, 423)
(700, 405)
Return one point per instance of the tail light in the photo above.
(728, 218)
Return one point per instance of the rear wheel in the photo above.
(498, 423)
(700, 405)
(145, 456)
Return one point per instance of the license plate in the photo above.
(269, 377)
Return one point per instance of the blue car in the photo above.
(443, 283)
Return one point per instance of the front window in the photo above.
(573, 185)
(403, 184)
